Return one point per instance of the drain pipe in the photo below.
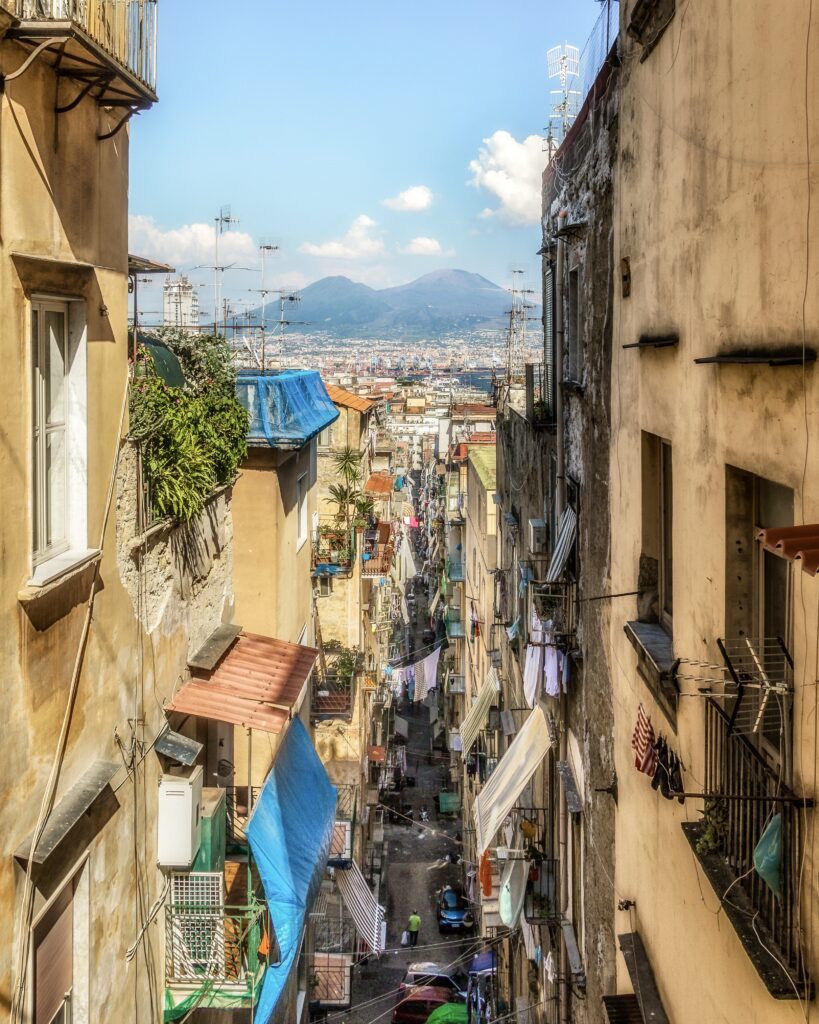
(562, 817)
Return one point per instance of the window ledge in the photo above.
(52, 573)
(780, 983)
(656, 664)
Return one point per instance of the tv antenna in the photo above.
(563, 63)
(223, 220)
(516, 332)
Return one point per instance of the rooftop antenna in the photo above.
(564, 64)
(516, 332)
(223, 220)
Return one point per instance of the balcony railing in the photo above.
(330, 975)
(745, 793)
(454, 625)
(346, 801)
(455, 571)
(333, 544)
(213, 945)
(238, 812)
(125, 29)
(540, 395)
(333, 696)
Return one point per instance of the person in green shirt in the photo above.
(413, 927)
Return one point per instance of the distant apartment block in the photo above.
(180, 302)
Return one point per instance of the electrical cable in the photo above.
(27, 900)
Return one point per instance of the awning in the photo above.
(254, 685)
(436, 597)
(289, 833)
(379, 485)
(795, 543)
(286, 408)
(566, 533)
(365, 910)
(476, 716)
(508, 780)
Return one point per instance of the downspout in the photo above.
(562, 815)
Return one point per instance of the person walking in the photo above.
(413, 927)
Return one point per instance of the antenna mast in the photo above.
(563, 64)
(516, 334)
(223, 220)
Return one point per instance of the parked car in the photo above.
(454, 911)
(428, 973)
(416, 1004)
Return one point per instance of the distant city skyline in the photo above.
(345, 140)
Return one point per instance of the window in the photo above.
(657, 559)
(324, 438)
(325, 586)
(301, 510)
(58, 425)
(59, 956)
(758, 598)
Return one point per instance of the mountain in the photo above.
(443, 301)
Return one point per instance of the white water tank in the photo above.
(179, 818)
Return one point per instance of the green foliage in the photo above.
(206, 360)
(715, 816)
(346, 661)
(348, 465)
(192, 439)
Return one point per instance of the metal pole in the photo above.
(559, 339)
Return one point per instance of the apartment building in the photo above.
(715, 324)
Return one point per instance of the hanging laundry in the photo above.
(485, 874)
(552, 668)
(566, 672)
(668, 773)
(642, 743)
(513, 631)
(533, 665)
(426, 674)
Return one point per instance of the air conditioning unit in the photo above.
(537, 537)
(179, 818)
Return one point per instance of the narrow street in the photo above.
(412, 882)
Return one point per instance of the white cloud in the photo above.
(411, 200)
(189, 245)
(511, 171)
(359, 242)
(422, 246)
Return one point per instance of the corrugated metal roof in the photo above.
(340, 396)
(254, 685)
(794, 542)
(379, 484)
(485, 462)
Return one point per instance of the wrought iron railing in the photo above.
(346, 801)
(334, 934)
(333, 696)
(745, 794)
(541, 403)
(329, 979)
(126, 29)
(214, 944)
(455, 571)
(238, 812)
(333, 543)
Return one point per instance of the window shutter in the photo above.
(54, 958)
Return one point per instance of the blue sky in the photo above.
(373, 139)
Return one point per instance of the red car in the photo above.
(416, 1004)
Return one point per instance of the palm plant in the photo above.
(345, 496)
(348, 465)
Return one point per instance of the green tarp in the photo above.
(450, 1013)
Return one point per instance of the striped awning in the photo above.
(364, 909)
(508, 780)
(566, 533)
(436, 597)
(476, 716)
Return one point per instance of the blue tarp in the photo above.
(286, 408)
(289, 833)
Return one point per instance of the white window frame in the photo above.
(71, 548)
(302, 532)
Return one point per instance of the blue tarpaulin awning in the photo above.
(286, 408)
(289, 833)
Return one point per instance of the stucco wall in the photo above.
(712, 215)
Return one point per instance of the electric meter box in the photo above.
(537, 536)
(179, 819)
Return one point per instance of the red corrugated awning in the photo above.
(794, 542)
(379, 485)
(255, 684)
(376, 755)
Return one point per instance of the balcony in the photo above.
(454, 625)
(744, 792)
(216, 947)
(109, 46)
(334, 684)
(238, 813)
(540, 395)
(377, 551)
(455, 571)
(333, 545)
